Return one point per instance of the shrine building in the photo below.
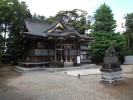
(53, 45)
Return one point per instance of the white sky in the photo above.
(51, 7)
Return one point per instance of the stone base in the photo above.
(128, 63)
(67, 64)
(111, 77)
(111, 66)
(129, 60)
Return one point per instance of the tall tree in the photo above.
(13, 14)
(38, 17)
(1, 42)
(104, 20)
(103, 32)
(103, 41)
(71, 15)
(75, 18)
(5, 18)
(129, 30)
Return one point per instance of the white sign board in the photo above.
(78, 59)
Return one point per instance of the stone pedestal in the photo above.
(129, 60)
(111, 71)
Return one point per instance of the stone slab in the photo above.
(81, 72)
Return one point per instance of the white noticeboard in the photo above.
(78, 59)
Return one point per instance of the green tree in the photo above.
(103, 32)
(1, 44)
(50, 19)
(103, 41)
(104, 20)
(38, 17)
(22, 13)
(81, 25)
(129, 31)
(75, 18)
(13, 14)
(71, 15)
(5, 17)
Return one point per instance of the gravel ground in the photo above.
(42, 85)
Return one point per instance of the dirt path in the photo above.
(42, 85)
(7, 73)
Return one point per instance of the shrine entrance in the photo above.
(60, 55)
(64, 52)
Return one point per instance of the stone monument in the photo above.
(111, 69)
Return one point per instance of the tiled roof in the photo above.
(41, 29)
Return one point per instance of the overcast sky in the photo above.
(51, 7)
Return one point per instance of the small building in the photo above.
(58, 44)
(84, 55)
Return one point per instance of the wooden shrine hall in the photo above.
(52, 45)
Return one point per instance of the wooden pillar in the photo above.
(66, 53)
(48, 56)
(61, 56)
(55, 53)
(70, 54)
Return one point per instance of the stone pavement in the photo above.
(81, 72)
(43, 85)
(22, 69)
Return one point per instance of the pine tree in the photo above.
(103, 32)
(103, 19)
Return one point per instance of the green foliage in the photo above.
(50, 19)
(80, 26)
(129, 22)
(103, 32)
(71, 15)
(129, 32)
(1, 44)
(102, 42)
(17, 52)
(103, 19)
(75, 18)
(38, 17)
(13, 13)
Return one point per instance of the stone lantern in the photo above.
(111, 69)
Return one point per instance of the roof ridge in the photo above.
(56, 22)
(38, 21)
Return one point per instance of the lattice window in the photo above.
(40, 52)
(83, 52)
(73, 52)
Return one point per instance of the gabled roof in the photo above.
(46, 29)
(36, 28)
(58, 24)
